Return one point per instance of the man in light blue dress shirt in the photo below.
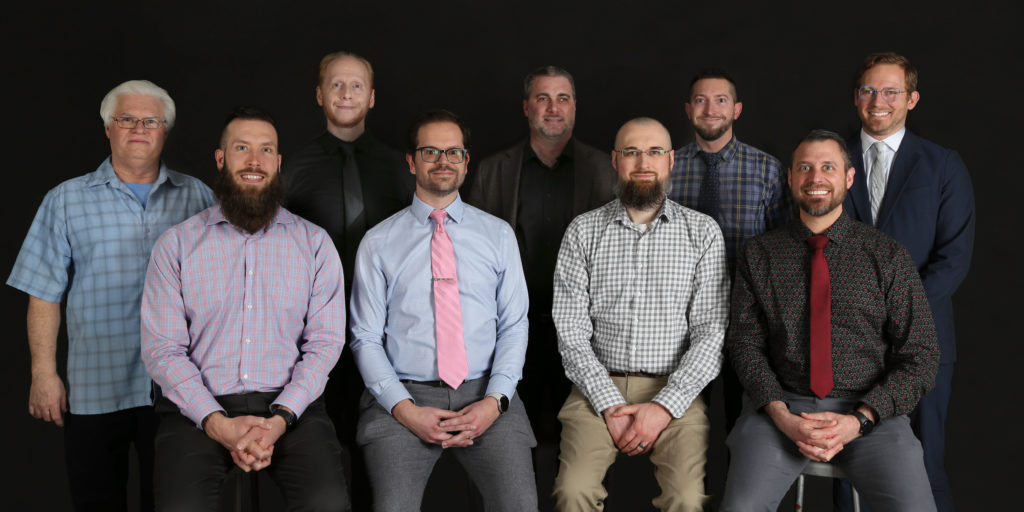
(408, 415)
(89, 246)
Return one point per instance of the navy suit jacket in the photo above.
(929, 207)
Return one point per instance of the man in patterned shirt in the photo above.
(243, 315)
(89, 245)
(880, 340)
(640, 306)
(740, 186)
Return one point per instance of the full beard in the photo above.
(641, 195)
(248, 209)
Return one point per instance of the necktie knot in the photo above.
(817, 242)
(438, 216)
(712, 160)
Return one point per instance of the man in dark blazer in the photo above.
(919, 193)
(538, 186)
(346, 181)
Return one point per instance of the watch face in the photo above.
(504, 403)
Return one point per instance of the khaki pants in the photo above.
(587, 450)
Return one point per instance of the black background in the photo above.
(793, 63)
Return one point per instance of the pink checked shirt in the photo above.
(225, 312)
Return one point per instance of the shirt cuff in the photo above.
(501, 384)
(392, 395)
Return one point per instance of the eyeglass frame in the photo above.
(647, 152)
(464, 151)
(117, 120)
(874, 92)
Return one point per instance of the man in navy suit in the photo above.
(919, 193)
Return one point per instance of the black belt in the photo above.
(634, 374)
(431, 383)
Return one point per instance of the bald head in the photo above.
(651, 128)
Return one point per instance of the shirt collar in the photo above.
(836, 233)
(106, 175)
(619, 213)
(892, 142)
(727, 153)
(421, 210)
(567, 153)
(331, 144)
(216, 216)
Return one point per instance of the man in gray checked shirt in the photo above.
(640, 305)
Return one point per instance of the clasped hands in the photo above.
(250, 439)
(449, 429)
(818, 435)
(635, 428)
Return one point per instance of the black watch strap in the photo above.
(286, 415)
(866, 425)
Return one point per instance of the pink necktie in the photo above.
(451, 349)
(821, 319)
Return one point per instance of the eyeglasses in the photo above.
(867, 93)
(430, 154)
(635, 153)
(129, 122)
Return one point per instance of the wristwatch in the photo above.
(502, 401)
(285, 414)
(866, 425)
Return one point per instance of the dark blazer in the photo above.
(313, 188)
(929, 207)
(494, 187)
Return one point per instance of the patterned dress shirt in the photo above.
(752, 191)
(393, 307)
(652, 300)
(883, 339)
(90, 244)
(227, 312)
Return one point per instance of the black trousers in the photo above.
(96, 448)
(306, 465)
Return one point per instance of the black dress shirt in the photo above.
(314, 188)
(545, 210)
(884, 345)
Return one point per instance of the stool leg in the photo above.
(856, 499)
(800, 493)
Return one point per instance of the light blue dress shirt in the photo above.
(89, 244)
(392, 307)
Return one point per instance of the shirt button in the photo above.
(249, 306)
(247, 340)
(245, 375)
(250, 272)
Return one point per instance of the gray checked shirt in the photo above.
(654, 300)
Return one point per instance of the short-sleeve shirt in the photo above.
(89, 245)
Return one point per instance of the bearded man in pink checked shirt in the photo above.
(243, 316)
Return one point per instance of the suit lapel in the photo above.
(511, 169)
(858, 202)
(903, 166)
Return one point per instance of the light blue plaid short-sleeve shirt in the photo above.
(90, 244)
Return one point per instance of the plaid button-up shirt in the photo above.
(652, 300)
(90, 244)
(227, 312)
(753, 195)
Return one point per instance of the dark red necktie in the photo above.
(821, 319)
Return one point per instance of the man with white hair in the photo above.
(89, 245)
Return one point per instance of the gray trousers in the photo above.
(886, 466)
(399, 464)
